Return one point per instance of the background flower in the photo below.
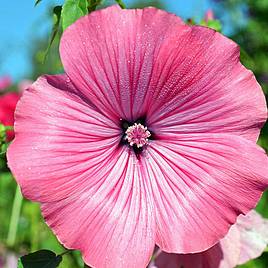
(245, 240)
(5, 82)
(8, 103)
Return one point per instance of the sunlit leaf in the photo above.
(56, 22)
(3, 142)
(20, 264)
(83, 4)
(213, 24)
(71, 11)
(41, 259)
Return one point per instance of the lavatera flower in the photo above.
(149, 138)
(8, 102)
(246, 240)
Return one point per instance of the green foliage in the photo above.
(262, 206)
(213, 24)
(153, 3)
(93, 5)
(253, 36)
(120, 3)
(55, 29)
(37, 2)
(83, 4)
(67, 14)
(52, 63)
(261, 262)
(41, 259)
(20, 264)
(3, 138)
(71, 11)
(3, 144)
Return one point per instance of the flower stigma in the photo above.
(138, 135)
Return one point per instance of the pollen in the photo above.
(138, 135)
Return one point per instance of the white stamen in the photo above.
(137, 134)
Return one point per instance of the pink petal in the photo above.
(110, 55)
(59, 137)
(147, 62)
(205, 89)
(224, 254)
(169, 260)
(111, 222)
(93, 192)
(246, 240)
(254, 235)
(200, 185)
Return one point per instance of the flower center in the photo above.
(138, 135)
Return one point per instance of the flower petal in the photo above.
(147, 62)
(224, 254)
(112, 222)
(110, 55)
(230, 246)
(204, 88)
(171, 260)
(254, 235)
(94, 196)
(200, 185)
(59, 137)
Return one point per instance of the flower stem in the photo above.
(121, 4)
(14, 220)
(65, 252)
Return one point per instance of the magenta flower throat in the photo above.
(149, 138)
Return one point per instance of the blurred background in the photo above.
(25, 33)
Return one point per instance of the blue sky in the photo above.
(20, 22)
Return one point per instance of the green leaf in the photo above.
(83, 4)
(190, 21)
(71, 11)
(20, 264)
(120, 3)
(37, 2)
(3, 142)
(213, 24)
(2, 131)
(41, 259)
(56, 22)
(93, 5)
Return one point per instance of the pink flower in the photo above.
(194, 171)
(24, 84)
(245, 240)
(8, 104)
(209, 15)
(5, 82)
